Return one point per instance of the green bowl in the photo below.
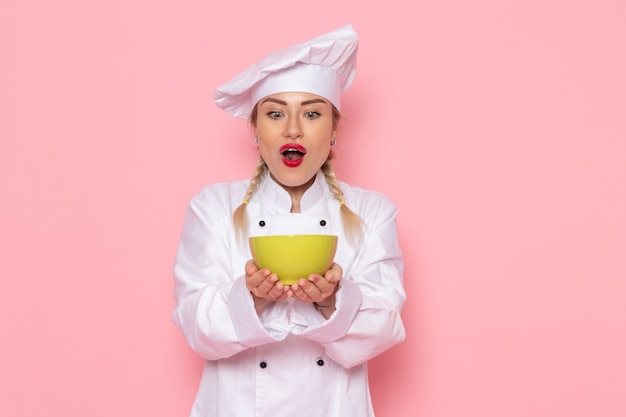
(292, 257)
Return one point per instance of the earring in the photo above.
(332, 142)
(256, 139)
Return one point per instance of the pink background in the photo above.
(497, 127)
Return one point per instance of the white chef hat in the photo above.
(325, 66)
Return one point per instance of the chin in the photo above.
(293, 181)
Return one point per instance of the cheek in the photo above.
(321, 154)
(263, 143)
(264, 150)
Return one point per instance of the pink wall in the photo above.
(497, 127)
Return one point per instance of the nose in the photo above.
(293, 129)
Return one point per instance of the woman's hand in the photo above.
(317, 288)
(264, 286)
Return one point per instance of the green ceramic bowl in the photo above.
(292, 257)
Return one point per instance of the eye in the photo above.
(274, 114)
(312, 115)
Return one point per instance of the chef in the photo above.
(273, 349)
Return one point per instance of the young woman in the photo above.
(302, 349)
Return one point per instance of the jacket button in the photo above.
(262, 223)
(322, 222)
(320, 362)
(263, 365)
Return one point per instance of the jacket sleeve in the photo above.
(214, 310)
(367, 320)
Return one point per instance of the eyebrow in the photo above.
(304, 103)
(315, 100)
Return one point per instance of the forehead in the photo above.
(294, 98)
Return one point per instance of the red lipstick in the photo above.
(293, 154)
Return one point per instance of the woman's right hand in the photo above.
(264, 286)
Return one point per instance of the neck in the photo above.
(296, 192)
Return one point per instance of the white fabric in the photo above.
(335, 51)
(216, 312)
(314, 79)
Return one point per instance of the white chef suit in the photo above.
(289, 360)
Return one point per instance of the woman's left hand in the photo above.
(318, 288)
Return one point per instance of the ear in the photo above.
(333, 138)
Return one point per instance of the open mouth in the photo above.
(293, 154)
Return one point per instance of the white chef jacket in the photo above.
(288, 361)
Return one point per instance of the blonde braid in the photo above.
(352, 223)
(240, 216)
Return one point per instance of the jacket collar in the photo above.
(271, 193)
